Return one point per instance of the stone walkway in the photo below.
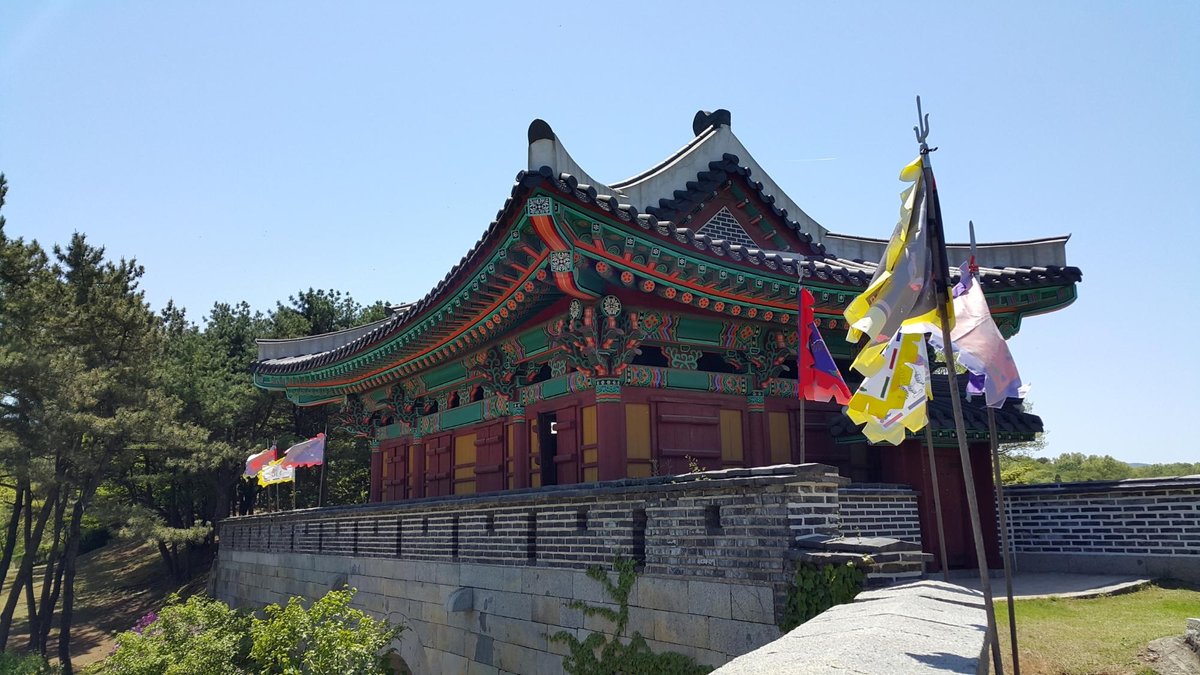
(1054, 584)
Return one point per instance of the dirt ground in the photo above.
(115, 586)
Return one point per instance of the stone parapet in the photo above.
(1148, 527)
(735, 524)
(921, 627)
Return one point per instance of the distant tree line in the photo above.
(116, 418)
(1076, 467)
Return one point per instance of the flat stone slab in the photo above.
(1060, 585)
(920, 627)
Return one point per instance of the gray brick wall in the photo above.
(713, 548)
(879, 511)
(1152, 517)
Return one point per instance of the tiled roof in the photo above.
(1010, 419)
(821, 267)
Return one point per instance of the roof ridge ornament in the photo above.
(540, 130)
(705, 119)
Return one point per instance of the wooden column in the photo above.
(610, 430)
(417, 450)
(376, 492)
(759, 452)
(520, 449)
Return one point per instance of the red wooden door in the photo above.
(395, 473)
(489, 458)
(955, 518)
(439, 466)
(687, 429)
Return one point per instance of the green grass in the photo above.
(1096, 635)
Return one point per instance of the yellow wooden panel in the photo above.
(464, 449)
(639, 471)
(464, 472)
(589, 456)
(591, 474)
(589, 425)
(466, 488)
(509, 443)
(731, 435)
(387, 465)
(637, 430)
(781, 438)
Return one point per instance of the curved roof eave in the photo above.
(1040, 252)
(714, 140)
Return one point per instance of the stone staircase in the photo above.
(891, 560)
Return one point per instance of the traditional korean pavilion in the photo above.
(648, 326)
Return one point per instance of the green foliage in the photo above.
(328, 638)
(198, 637)
(602, 654)
(25, 664)
(1075, 467)
(817, 588)
(204, 637)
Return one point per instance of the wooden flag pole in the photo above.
(800, 346)
(937, 501)
(937, 243)
(1005, 551)
(803, 454)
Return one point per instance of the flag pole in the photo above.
(1005, 552)
(800, 346)
(324, 461)
(937, 500)
(803, 454)
(937, 243)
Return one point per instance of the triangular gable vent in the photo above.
(724, 226)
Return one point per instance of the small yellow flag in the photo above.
(893, 395)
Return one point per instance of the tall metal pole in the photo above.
(1005, 551)
(937, 501)
(937, 243)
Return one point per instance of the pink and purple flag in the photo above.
(306, 453)
(255, 462)
(979, 346)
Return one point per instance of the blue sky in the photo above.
(243, 151)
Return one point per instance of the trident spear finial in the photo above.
(921, 131)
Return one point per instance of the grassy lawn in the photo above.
(1096, 635)
(115, 585)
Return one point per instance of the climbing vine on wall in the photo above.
(601, 654)
(816, 588)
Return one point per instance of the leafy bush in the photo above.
(25, 664)
(329, 638)
(204, 637)
(816, 589)
(198, 637)
(601, 654)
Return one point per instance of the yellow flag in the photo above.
(893, 395)
(275, 472)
